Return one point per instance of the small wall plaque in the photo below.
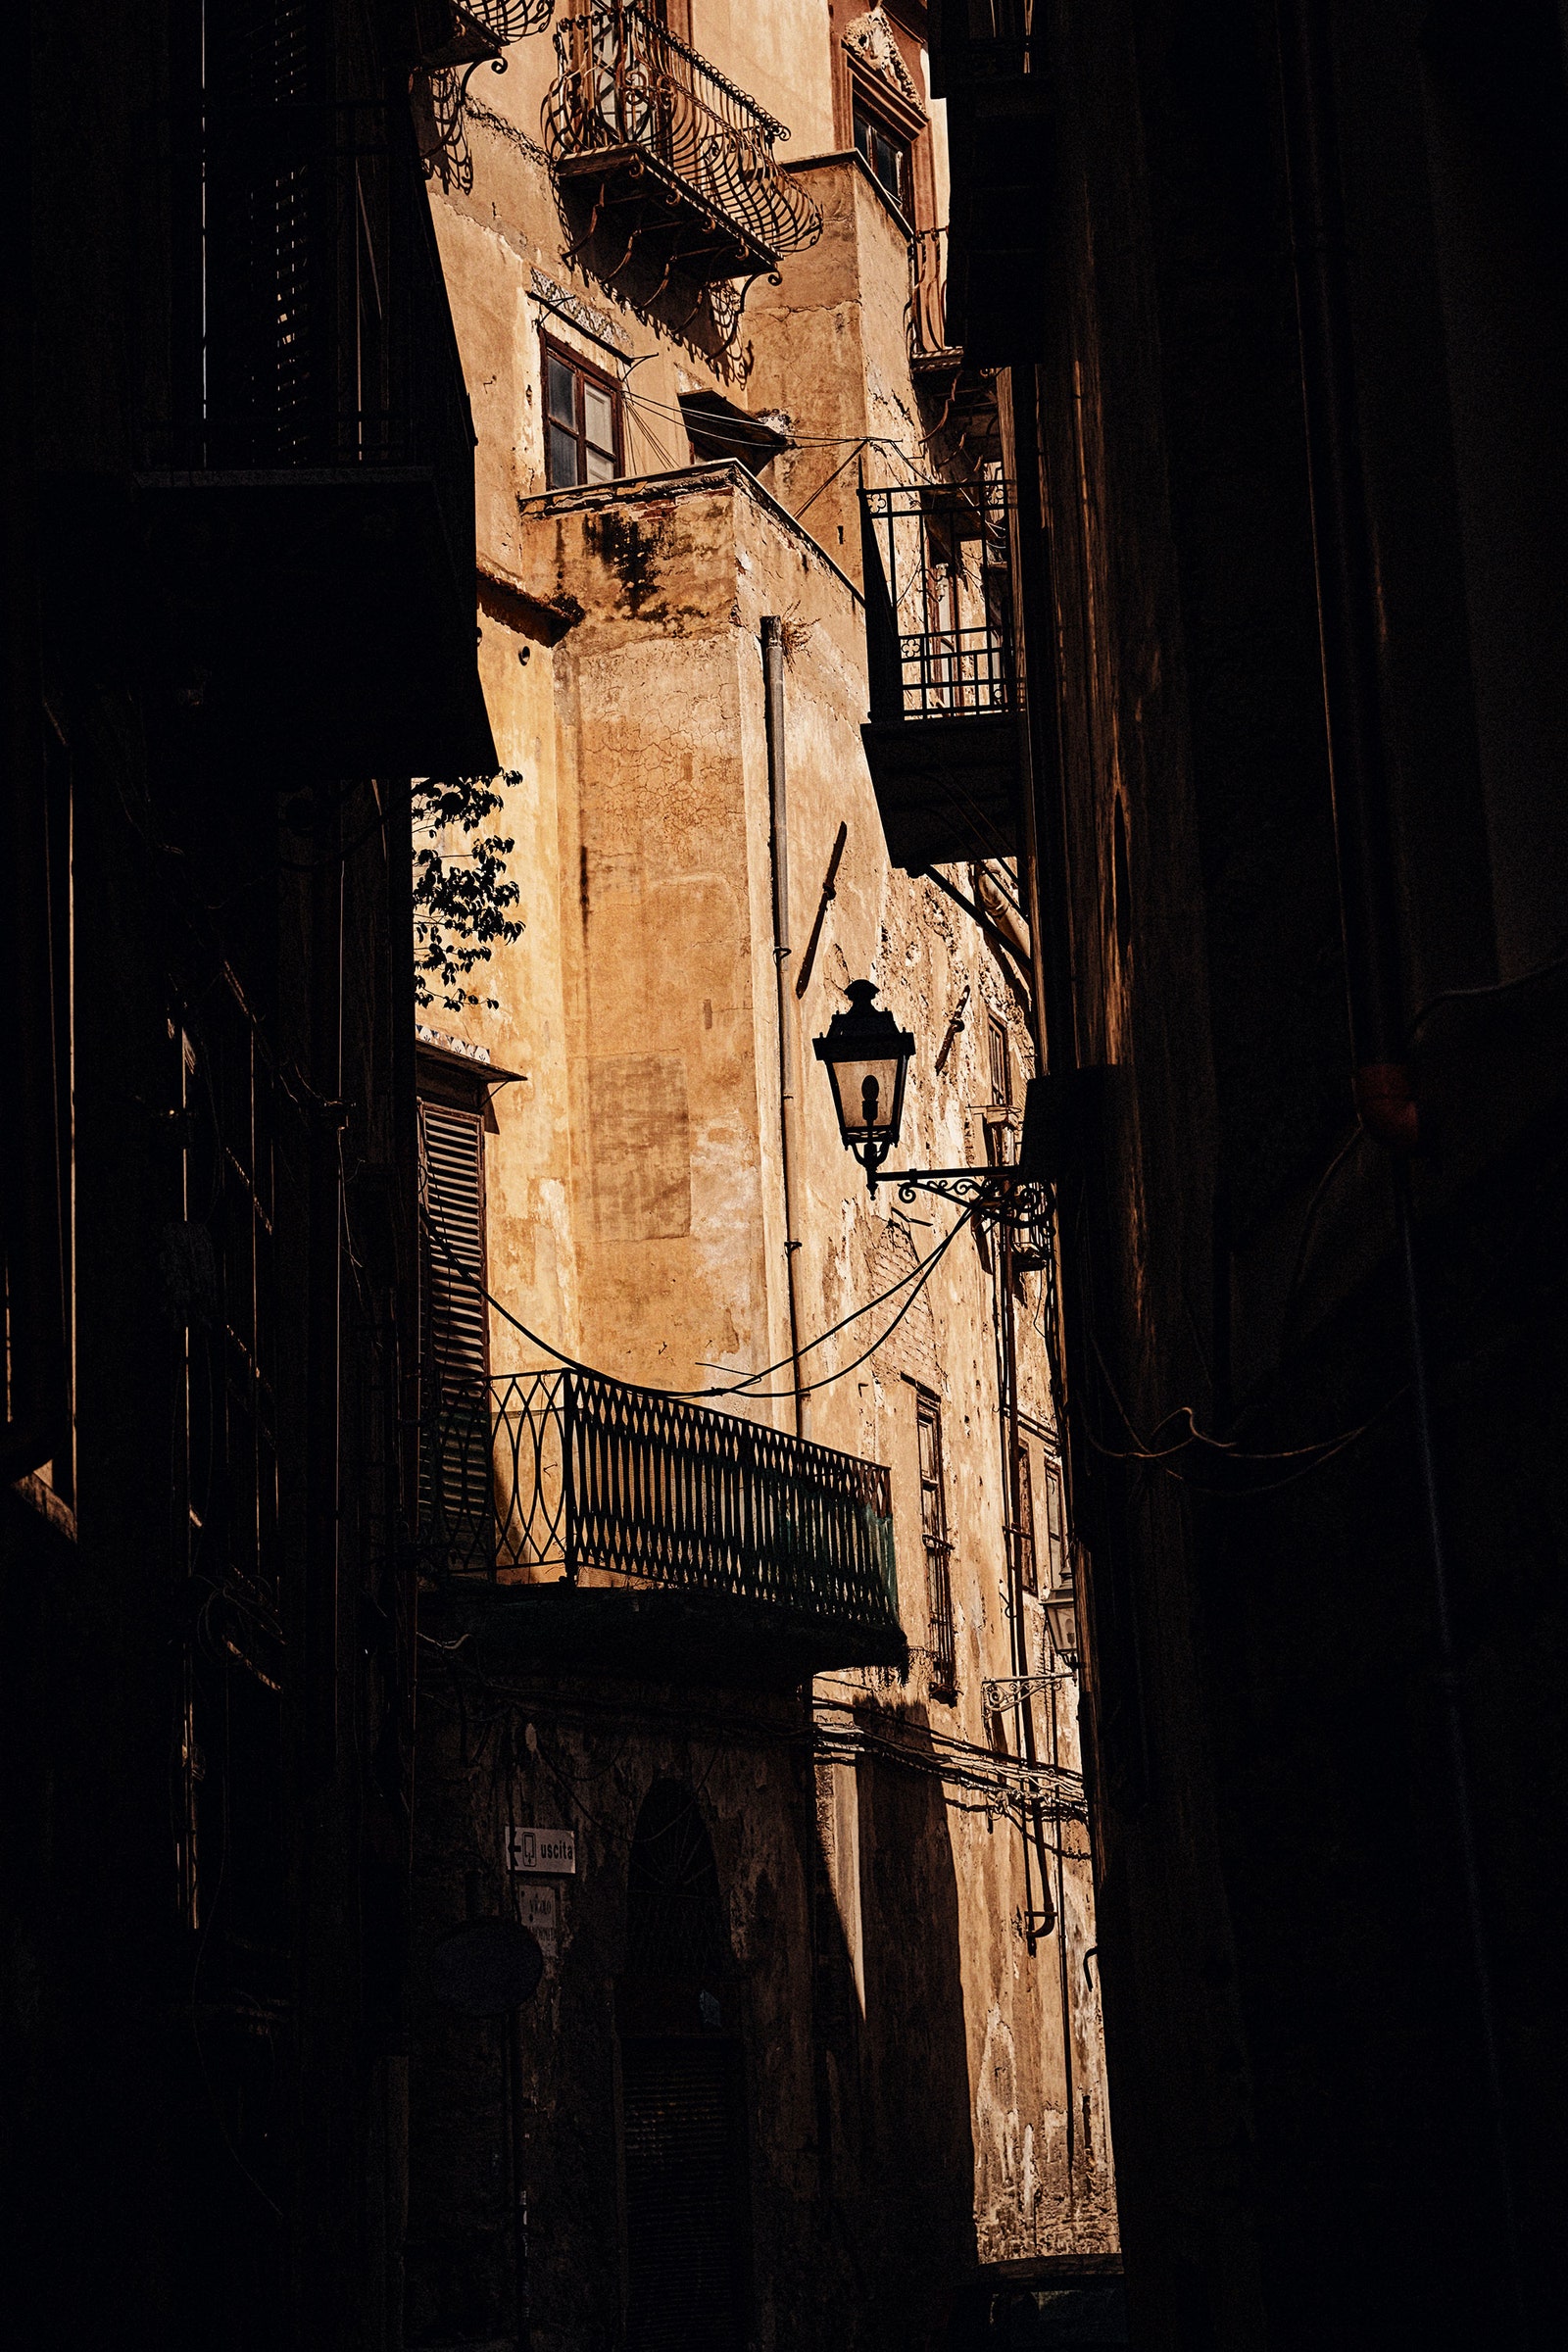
(543, 1853)
(540, 1916)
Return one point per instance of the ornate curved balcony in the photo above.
(668, 153)
(960, 399)
(606, 1511)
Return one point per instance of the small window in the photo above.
(1055, 1526)
(1028, 1570)
(582, 421)
(998, 1139)
(885, 154)
(1001, 1062)
(938, 1550)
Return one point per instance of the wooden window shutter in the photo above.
(456, 1504)
(457, 1331)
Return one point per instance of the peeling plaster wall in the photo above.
(924, 2094)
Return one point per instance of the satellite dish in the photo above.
(486, 1967)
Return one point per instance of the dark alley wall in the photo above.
(1307, 2150)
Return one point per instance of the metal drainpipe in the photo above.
(788, 1039)
(1350, 648)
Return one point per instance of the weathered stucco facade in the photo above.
(894, 1992)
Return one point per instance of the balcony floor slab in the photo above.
(654, 1633)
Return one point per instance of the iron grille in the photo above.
(505, 20)
(293, 316)
(939, 600)
(629, 93)
(572, 1471)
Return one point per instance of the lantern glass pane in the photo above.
(867, 1093)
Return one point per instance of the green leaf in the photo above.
(461, 902)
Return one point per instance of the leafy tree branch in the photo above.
(461, 896)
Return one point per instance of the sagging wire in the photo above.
(919, 1276)
(1322, 1450)
(744, 444)
(963, 1769)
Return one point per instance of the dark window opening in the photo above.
(1055, 1526)
(582, 421)
(1028, 1568)
(674, 1913)
(938, 1550)
(1001, 1062)
(885, 154)
(685, 2180)
(683, 2144)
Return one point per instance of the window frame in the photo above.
(583, 372)
(936, 1544)
(881, 125)
(1024, 1533)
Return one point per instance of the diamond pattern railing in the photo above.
(575, 1473)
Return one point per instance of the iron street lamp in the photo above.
(868, 1056)
(1061, 1624)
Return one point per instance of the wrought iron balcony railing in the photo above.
(661, 137)
(942, 738)
(571, 1473)
(939, 603)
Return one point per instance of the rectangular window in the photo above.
(1001, 1062)
(938, 1549)
(998, 1139)
(582, 421)
(1028, 1570)
(885, 155)
(1055, 1526)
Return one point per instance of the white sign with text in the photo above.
(545, 1853)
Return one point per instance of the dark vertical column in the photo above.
(29, 1170)
(1351, 644)
(324, 1305)
(1346, 587)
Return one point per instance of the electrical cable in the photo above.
(1491, 987)
(1322, 1450)
(918, 1274)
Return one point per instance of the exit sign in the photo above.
(547, 1853)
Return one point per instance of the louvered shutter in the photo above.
(456, 1504)
(685, 2197)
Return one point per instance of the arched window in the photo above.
(674, 1913)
